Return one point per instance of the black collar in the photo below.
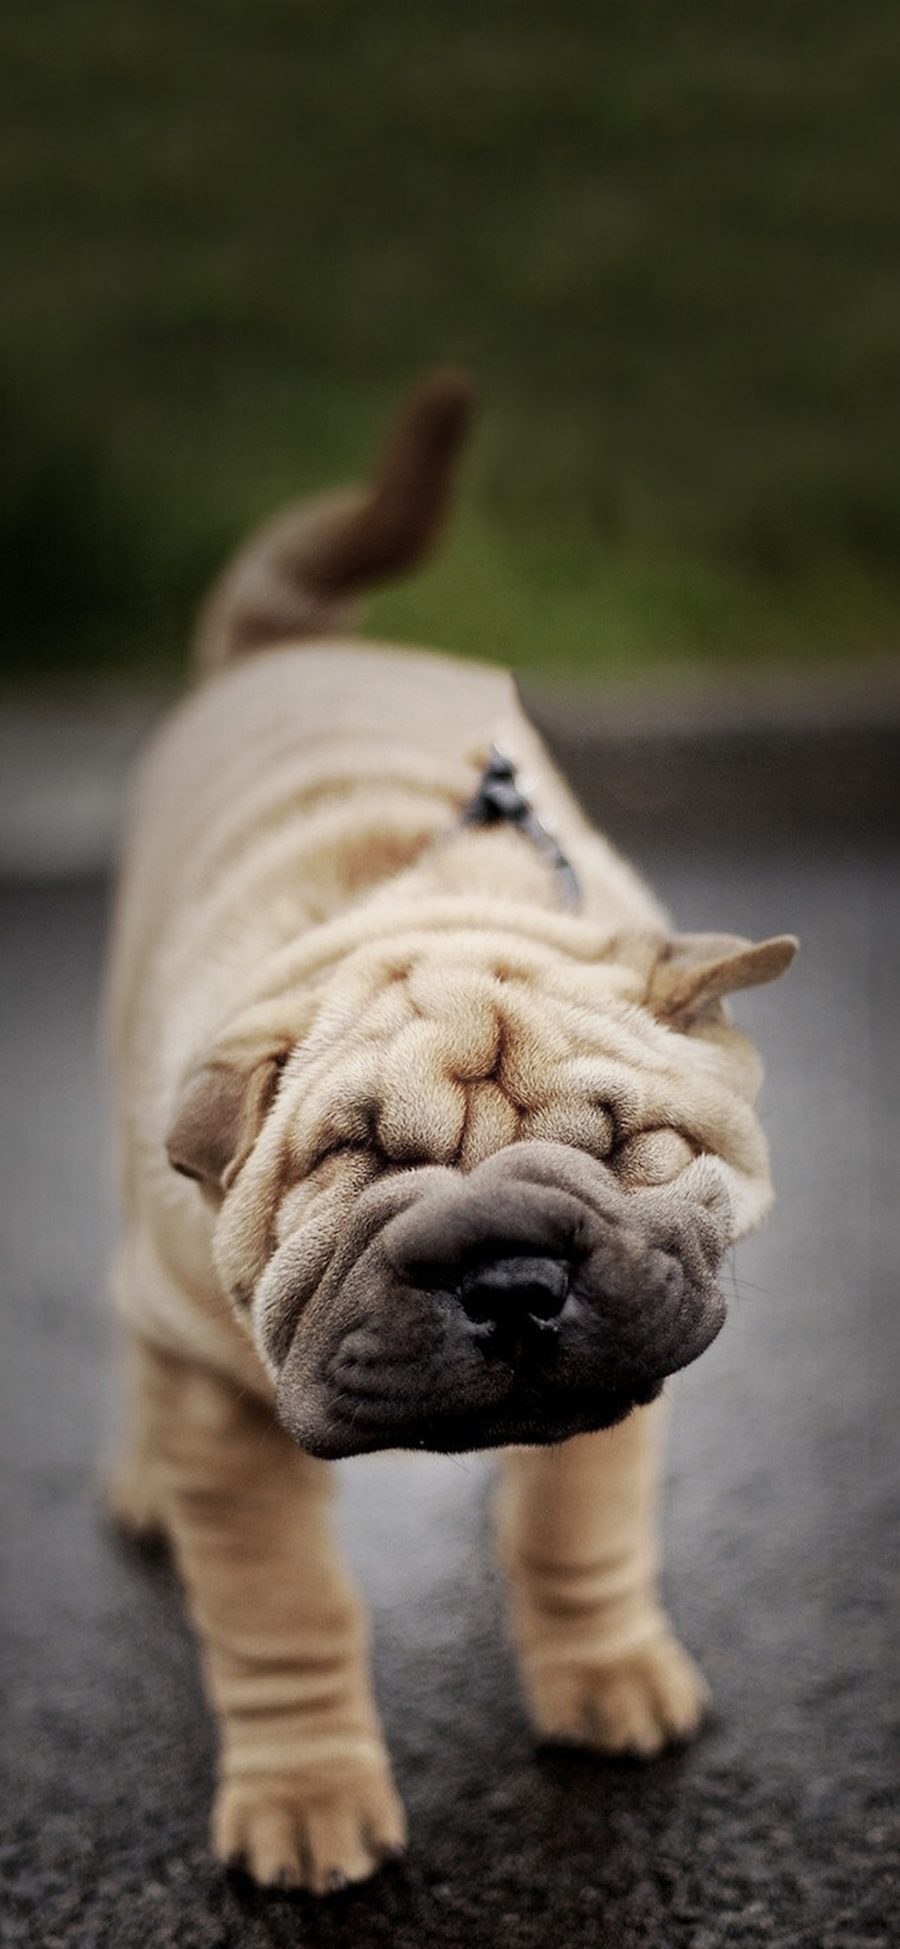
(500, 797)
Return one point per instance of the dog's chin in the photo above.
(523, 1420)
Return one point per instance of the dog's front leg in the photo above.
(305, 1796)
(577, 1532)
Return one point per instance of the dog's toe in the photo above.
(288, 1835)
(636, 1705)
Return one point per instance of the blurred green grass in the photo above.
(664, 239)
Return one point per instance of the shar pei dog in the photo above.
(433, 1135)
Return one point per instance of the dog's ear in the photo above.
(694, 971)
(219, 1115)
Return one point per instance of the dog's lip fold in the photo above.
(334, 1421)
(331, 1436)
(341, 1410)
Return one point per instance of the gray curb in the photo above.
(63, 772)
(761, 776)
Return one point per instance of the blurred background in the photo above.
(663, 239)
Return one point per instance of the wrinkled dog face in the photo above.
(488, 1201)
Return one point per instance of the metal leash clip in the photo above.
(500, 798)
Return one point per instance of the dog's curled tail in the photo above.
(299, 575)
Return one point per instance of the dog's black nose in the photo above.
(508, 1293)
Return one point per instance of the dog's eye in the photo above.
(342, 1124)
(345, 1169)
(570, 1120)
(653, 1157)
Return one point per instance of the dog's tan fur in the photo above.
(304, 929)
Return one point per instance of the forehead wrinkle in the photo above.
(396, 1058)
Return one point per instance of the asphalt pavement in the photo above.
(779, 1827)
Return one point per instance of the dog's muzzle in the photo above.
(526, 1302)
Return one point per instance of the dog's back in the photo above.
(307, 765)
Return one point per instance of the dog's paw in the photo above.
(286, 1834)
(653, 1698)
